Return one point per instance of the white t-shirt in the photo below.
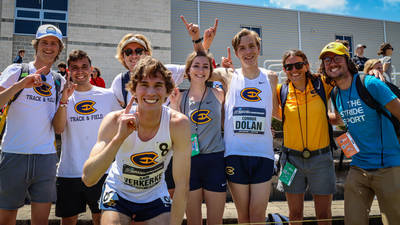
(29, 127)
(85, 111)
(248, 111)
(137, 174)
(178, 73)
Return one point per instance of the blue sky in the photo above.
(372, 9)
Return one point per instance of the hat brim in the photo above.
(134, 40)
(47, 35)
(331, 50)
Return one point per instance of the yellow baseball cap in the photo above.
(335, 47)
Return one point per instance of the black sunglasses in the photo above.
(138, 51)
(297, 65)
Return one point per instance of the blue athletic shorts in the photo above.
(73, 195)
(111, 201)
(248, 169)
(208, 172)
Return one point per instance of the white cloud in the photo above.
(331, 6)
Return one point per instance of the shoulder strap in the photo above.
(283, 93)
(320, 89)
(333, 97)
(24, 73)
(124, 80)
(57, 83)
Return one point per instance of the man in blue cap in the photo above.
(28, 156)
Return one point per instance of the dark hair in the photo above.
(62, 65)
(191, 58)
(382, 49)
(148, 66)
(97, 70)
(295, 52)
(350, 65)
(77, 55)
(344, 42)
(20, 51)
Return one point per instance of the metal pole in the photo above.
(384, 31)
(299, 28)
(198, 12)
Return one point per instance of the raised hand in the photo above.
(377, 74)
(33, 80)
(227, 62)
(69, 88)
(175, 99)
(193, 29)
(128, 122)
(209, 35)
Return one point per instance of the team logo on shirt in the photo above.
(250, 94)
(85, 107)
(144, 159)
(44, 90)
(200, 116)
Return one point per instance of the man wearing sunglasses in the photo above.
(28, 156)
(375, 169)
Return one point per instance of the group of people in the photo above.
(382, 66)
(117, 144)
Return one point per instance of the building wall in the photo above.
(273, 23)
(279, 30)
(319, 29)
(97, 27)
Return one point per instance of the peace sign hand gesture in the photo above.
(127, 122)
(69, 88)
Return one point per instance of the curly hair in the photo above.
(148, 66)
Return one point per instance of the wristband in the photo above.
(198, 40)
(63, 103)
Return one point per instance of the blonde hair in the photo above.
(242, 33)
(370, 64)
(120, 54)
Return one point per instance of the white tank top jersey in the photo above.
(248, 111)
(29, 128)
(137, 174)
(85, 112)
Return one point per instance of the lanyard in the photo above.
(348, 100)
(184, 105)
(298, 114)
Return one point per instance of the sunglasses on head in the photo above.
(138, 51)
(297, 65)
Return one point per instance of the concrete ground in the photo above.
(230, 216)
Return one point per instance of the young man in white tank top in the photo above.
(131, 190)
(249, 105)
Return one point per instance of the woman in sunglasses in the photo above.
(386, 51)
(129, 50)
(306, 141)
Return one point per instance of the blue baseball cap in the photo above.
(46, 30)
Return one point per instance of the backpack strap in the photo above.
(57, 82)
(125, 77)
(23, 74)
(320, 89)
(283, 93)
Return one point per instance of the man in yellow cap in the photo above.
(375, 169)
